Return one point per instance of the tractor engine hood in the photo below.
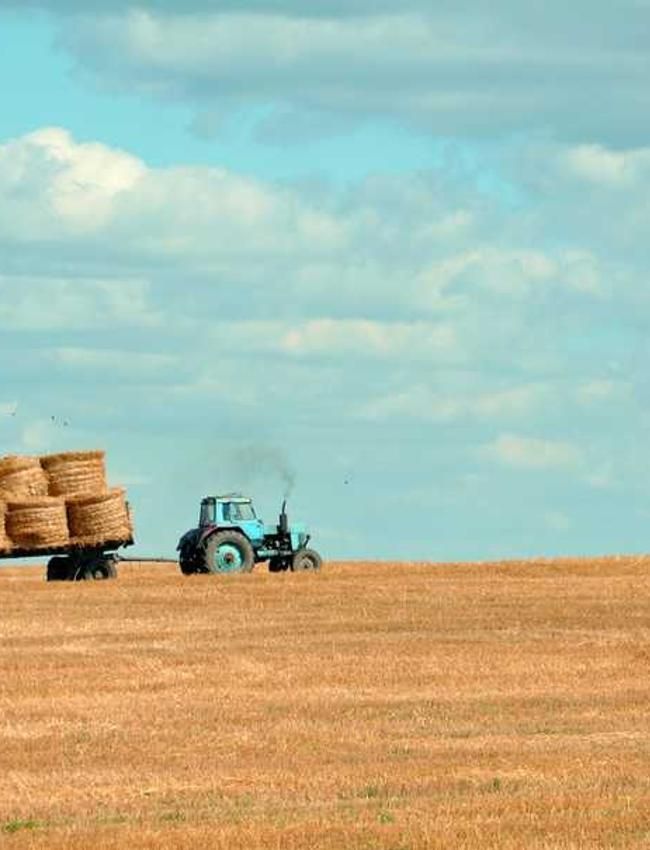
(294, 528)
(297, 533)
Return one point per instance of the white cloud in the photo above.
(470, 305)
(325, 8)
(452, 69)
(49, 303)
(55, 185)
(438, 242)
(596, 198)
(609, 168)
(508, 273)
(418, 402)
(116, 363)
(532, 453)
(597, 391)
(422, 402)
(52, 188)
(368, 338)
(516, 401)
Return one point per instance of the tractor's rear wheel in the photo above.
(229, 552)
(306, 559)
(189, 562)
(187, 566)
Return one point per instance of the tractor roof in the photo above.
(230, 497)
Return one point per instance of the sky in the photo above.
(390, 260)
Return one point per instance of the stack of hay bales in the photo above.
(60, 500)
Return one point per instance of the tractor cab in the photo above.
(231, 511)
(217, 510)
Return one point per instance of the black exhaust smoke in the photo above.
(259, 462)
(283, 524)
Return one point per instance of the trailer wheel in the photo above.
(59, 568)
(100, 569)
(306, 559)
(229, 552)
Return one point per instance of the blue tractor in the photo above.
(231, 539)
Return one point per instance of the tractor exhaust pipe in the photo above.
(283, 525)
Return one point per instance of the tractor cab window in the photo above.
(207, 513)
(238, 511)
(245, 510)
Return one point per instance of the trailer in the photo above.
(76, 561)
(61, 507)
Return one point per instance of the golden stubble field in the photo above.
(377, 706)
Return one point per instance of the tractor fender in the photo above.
(207, 533)
(204, 534)
(188, 539)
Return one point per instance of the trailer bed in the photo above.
(68, 550)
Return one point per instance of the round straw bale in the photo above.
(5, 542)
(37, 523)
(13, 463)
(22, 477)
(100, 517)
(75, 473)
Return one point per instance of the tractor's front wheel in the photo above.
(306, 559)
(229, 552)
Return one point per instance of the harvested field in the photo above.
(371, 707)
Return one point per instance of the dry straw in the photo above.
(75, 473)
(5, 542)
(97, 518)
(22, 477)
(37, 523)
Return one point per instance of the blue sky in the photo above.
(398, 256)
